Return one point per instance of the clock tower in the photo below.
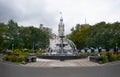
(61, 27)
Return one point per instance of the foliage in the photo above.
(104, 59)
(86, 54)
(94, 54)
(105, 35)
(110, 57)
(40, 54)
(13, 37)
(13, 58)
(3, 36)
(20, 55)
(106, 56)
(17, 56)
(40, 51)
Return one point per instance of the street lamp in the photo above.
(12, 43)
(12, 47)
(33, 47)
(116, 47)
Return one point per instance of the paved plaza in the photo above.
(13, 70)
(67, 63)
(56, 68)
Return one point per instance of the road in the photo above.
(14, 70)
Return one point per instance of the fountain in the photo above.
(60, 45)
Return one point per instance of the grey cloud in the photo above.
(25, 11)
(6, 11)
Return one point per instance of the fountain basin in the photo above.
(62, 58)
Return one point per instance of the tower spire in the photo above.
(61, 14)
(61, 18)
(61, 26)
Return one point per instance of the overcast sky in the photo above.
(35, 12)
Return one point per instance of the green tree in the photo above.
(105, 35)
(3, 36)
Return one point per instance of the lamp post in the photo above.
(116, 47)
(12, 47)
(12, 43)
(33, 47)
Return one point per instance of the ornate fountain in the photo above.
(60, 45)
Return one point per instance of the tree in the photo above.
(3, 36)
(105, 35)
(34, 38)
(13, 36)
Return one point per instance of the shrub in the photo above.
(20, 59)
(23, 62)
(103, 53)
(17, 56)
(86, 54)
(40, 51)
(105, 59)
(112, 57)
(7, 58)
(94, 54)
(118, 56)
(13, 58)
(40, 54)
(27, 50)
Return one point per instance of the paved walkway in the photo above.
(13, 70)
(66, 63)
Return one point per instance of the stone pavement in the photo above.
(66, 63)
